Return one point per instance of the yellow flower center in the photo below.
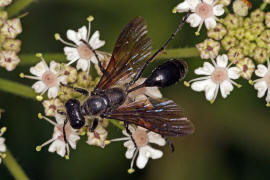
(49, 78)
(84, 51)
(140, 137)
(219, 75)
(204, 10)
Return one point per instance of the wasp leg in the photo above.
(61, 112)
(79, 90)
(140, 71)
(94, 125)
(95, 53)
(169, 143)
(126, 124)
(65, 137)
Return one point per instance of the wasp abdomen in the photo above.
(167, 74)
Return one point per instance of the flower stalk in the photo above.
(13, 167)
(16, 88)
(30, 59)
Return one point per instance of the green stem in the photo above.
(263, 6)
(14, 167)
(179, 53)
(17, 6)
(16, 88)
(31, 59)
(116, 123)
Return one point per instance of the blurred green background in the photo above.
(232, 138)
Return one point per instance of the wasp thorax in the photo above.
(84, 51)
(204, 10)
(219, 75)
(49, 79)
(140, 137)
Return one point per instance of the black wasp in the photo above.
(130, 57)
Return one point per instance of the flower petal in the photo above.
(62, 79)
(60, 119)
(268, 96)
(83, 64)
(72, 140)
(208, 1)
(95, 42)
(210, 89)
(156, 138)
(261, 86)
(53, 92)
(194, 20)
(94, 60)
(39, 87)
(183, 7)
(148, 151)
(130, 152)
(207, 69)
(59, 147)
(222, 60)
(226, 87)
(72, 35)
(54, 67)
(261, 70)
(142, 158)
(200, 85)
(82, 33)
(218, 10)
(234, 72)
(210, 23)
(193, 3)
(71, 53)
(39, 69)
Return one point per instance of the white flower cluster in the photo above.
(245, 41)
(9, 46)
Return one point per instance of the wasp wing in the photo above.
(162, 116)
(132, 48)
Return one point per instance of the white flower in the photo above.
(78, 50)
(51, 106)
(9, 60)
(49, 78)
(57, 141)
(142, 138)
(97, 137)
(11, 28)
(144, 92)
(216, 77)
(203, 11)
(263, 83)
(4, 3)
(3, 147)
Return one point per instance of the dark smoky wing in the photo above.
(132, 48)
(162, 116)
